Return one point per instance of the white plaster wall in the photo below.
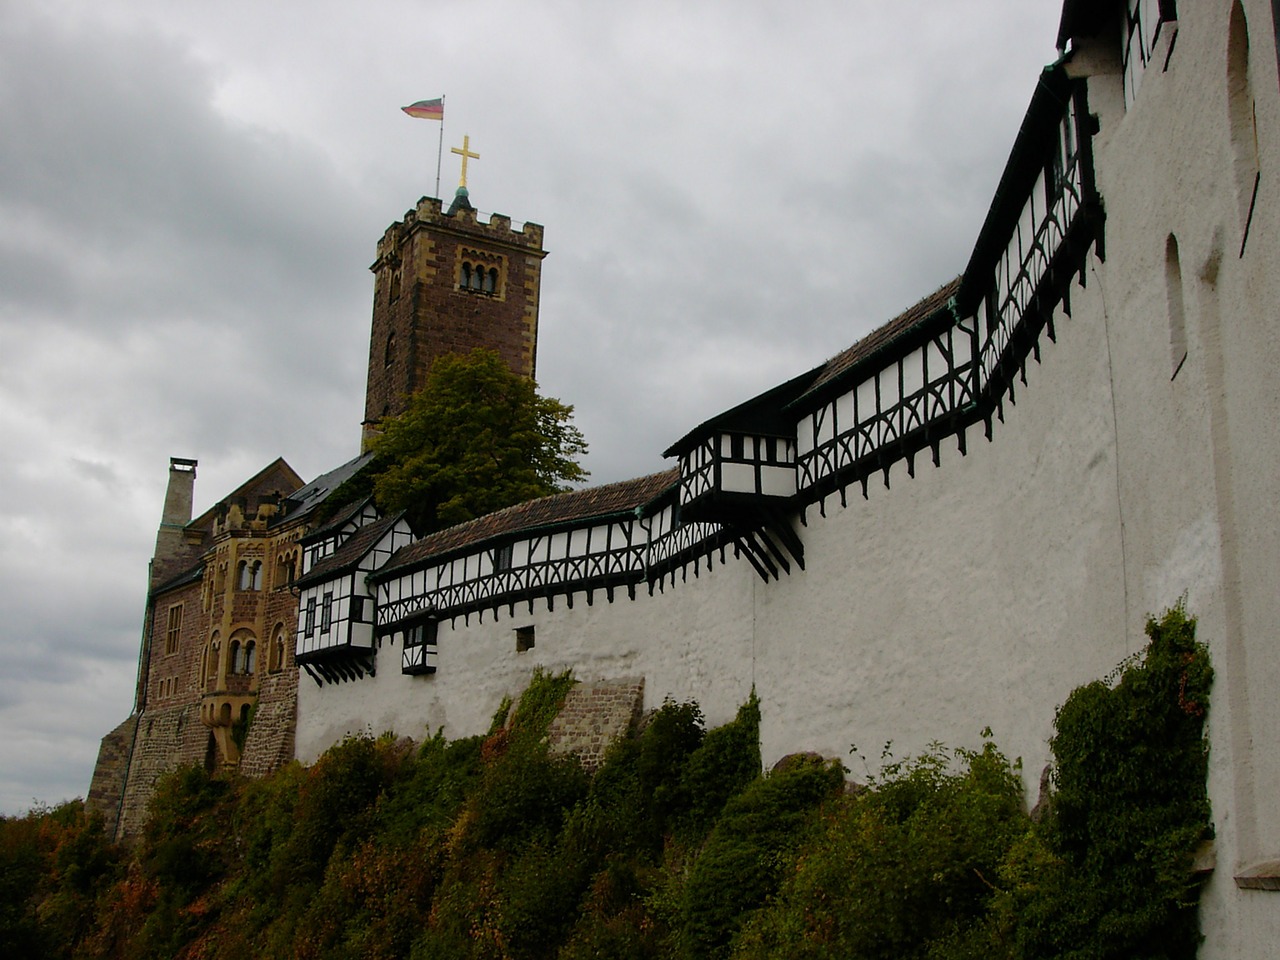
(1198, 454)
(981, 592)
(690, 641)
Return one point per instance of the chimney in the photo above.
(170, 545)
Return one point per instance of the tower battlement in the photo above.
(464, 221)
(447, 282)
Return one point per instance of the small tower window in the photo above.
(390, 353)
(276, 663)
(250, 657)
(465, 280)
(490, 280)
(326, 613)
(237, 654)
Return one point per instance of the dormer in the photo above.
(741, 460)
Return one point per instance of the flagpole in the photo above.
(440, 148)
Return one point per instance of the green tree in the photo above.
(475, 439)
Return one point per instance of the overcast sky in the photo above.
(191, 194)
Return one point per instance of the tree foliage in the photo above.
(475, 439)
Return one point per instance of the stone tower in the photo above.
(445, 282)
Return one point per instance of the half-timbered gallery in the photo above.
(949, 525)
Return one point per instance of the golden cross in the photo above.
(464, 153)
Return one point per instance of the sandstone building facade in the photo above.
(217, 677)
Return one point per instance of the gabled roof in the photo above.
(761, 416)
(348, 556)
(277, 473)
(560, 509)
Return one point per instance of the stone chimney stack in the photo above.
(171, 547)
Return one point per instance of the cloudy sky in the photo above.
(190, 196)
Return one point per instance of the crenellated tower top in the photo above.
(447, 282)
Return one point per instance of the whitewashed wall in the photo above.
(981, 592)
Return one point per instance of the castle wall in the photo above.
(979, 593)
(167, 738)
(106, 791)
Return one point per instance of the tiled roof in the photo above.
(309, 496)
(350, 553)
(878, 339)
(559, 508)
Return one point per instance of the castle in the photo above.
(946, 527)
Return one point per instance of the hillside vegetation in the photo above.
(677, 847)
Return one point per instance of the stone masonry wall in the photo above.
(594, 715)
(270, 741)
(167, 739)
(107, 789)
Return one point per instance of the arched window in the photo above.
(209, 670)
(242, 575)
(1242, 114)
(465, 280)
(1177, 315)
(477, 277)
(276, 662)
(250, 657)
(490, 280)
(390, 352)
(237, 657)
(255, 575)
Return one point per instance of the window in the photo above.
(276, 663)
(482, 272)
(393, 287)
(1243, 117)
(237, 655)
(1177, 315)
(326, 613)
(309, 621)
(524, 639)
(390, 353)
(173, 632)
(1145, 22)
(502, 559)
(209, 674)
(422, 634)
(250, 657)
(249, 575)
(286, 569)
(357, 609)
